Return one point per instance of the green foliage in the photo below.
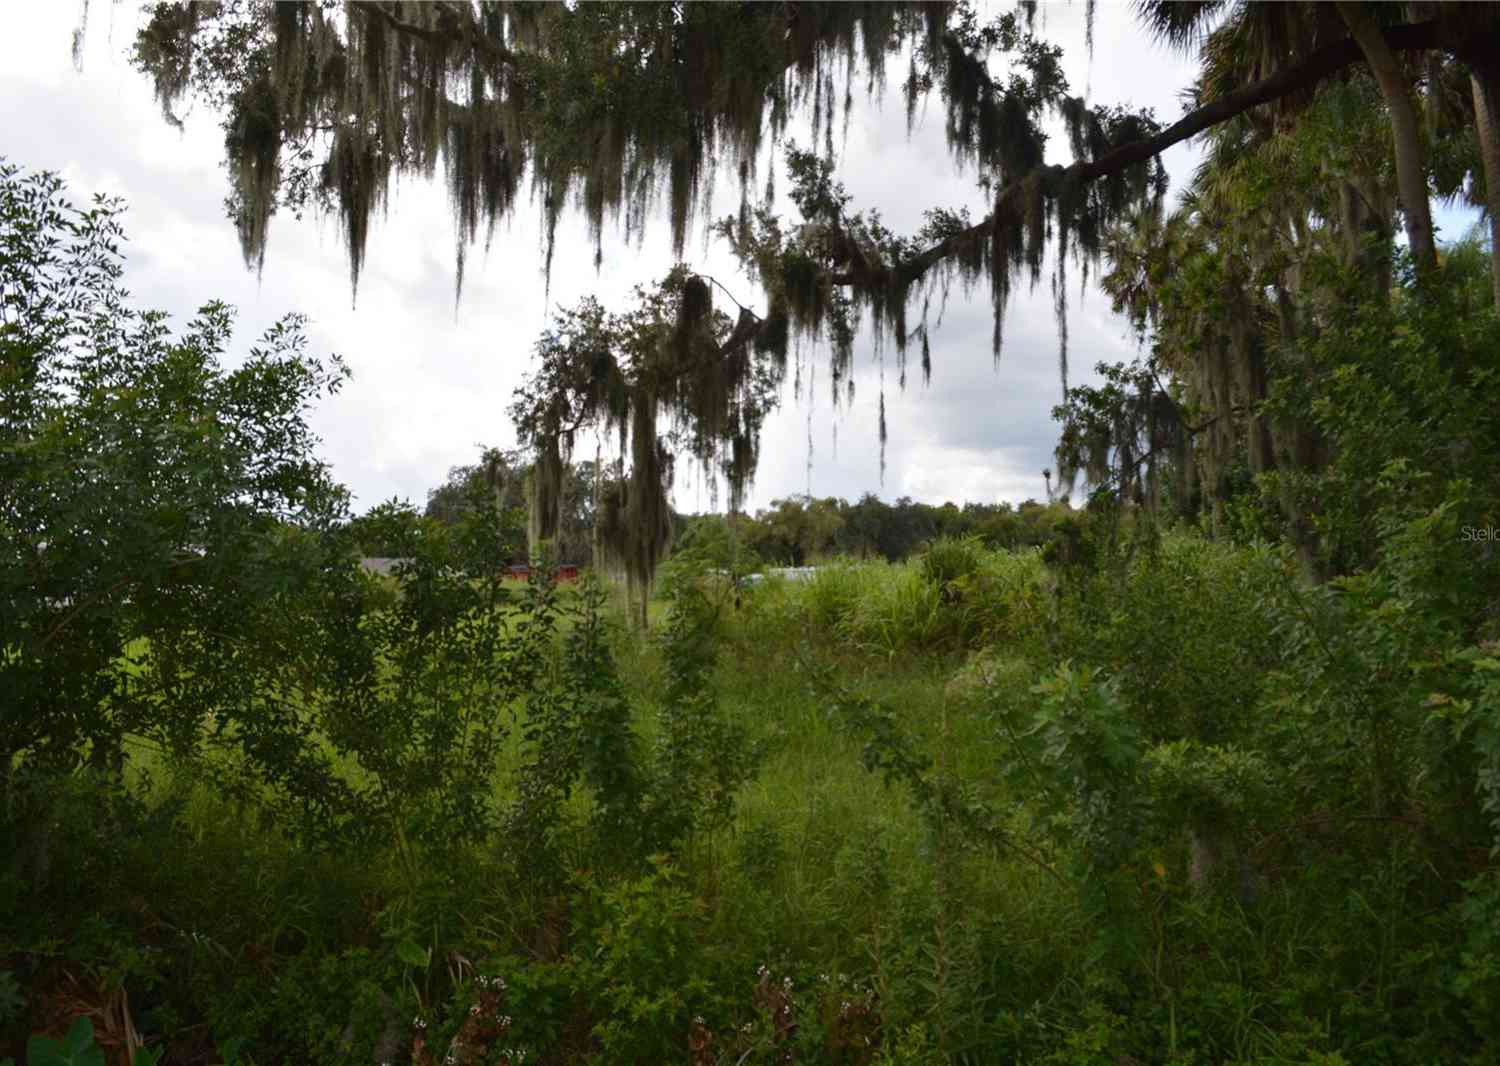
(891, 610)
(711, 554)
(796, 531)
(800, 531)
(1477, 982)
(1091, 751)
(1406, 383)
(701, 758)
(12, 1001)
(1127, 435)
(76, 1048)
(897, 609)
(641, 961)
(1143, 795)
(366, 718)
(577, 734)
(949, 560)
(367, 736)
(671, 354)
(154, 501)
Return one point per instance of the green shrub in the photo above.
(896, 610)
(156, 505)
(828, 599)
(947, 560)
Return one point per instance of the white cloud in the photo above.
(429, 386)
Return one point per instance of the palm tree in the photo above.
(1411, 173)
(1485, 79)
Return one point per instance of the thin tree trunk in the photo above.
(596, 549)
(1411, 174)
(1351, 212)
(1486, 115)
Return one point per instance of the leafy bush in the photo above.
(154, 501)
(701, 758)
(948, 560)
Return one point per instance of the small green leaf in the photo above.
(408, 952)
(77, 1048)
(80, 1036)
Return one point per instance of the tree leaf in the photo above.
(408, 952)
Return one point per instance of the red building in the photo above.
(565, 572)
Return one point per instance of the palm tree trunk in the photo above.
(1483, 80)
(1411, 174)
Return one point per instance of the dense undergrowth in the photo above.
(1145, 796)
(1175, 807)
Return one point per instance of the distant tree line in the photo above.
(792, 531)
(800, 530)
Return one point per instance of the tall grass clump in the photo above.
(1009, 597)
(830, 597)
(958, 594)
(948, 560)
(896, 611)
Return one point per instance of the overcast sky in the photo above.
(429, 387)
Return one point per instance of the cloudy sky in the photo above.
(430, 385)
